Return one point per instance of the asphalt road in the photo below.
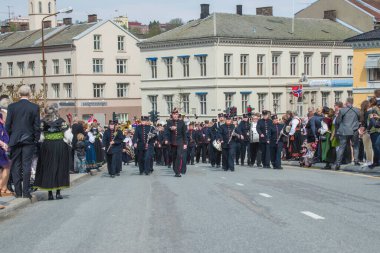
(207, 210)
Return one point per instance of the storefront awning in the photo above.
(373, 62)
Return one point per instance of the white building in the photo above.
(238, 60)
(92, 68)
(38, 9)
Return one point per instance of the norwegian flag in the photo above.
(297, 90)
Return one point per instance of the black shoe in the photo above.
(118, 174)
(112, 176)
(278, 168)
(50, 197)
(213, 165)
(218, 166)
(147, 173)
(225, 169)
(177, 175)
(259, 166)
(169, 166)
(233, 170)
(58, 195)
(141, 173)
(237, 163)
(337, 167)
(357, 164)
(327, 167)
(192, 163)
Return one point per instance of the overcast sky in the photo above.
(162, 10)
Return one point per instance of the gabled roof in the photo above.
(58, 36)
(257, 27)
(368, 36)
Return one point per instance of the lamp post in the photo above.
(66, 10)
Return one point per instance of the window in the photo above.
(202, 63)
(40, 7)
(153, 101)
(121, 66)
(260, 64)
(307, 65)
(10, 69)
(21, 68)
(243, 64)
(97, 65)
(203, 101)
(56, 67)
(185, 103)
(373, 75)
(68, 89)
(275, 65)
(55, 87)
(186, 66)
(32, 68)
(153, 67)
(338, 96)
(325, 98)
(122, 90)
(313, 98)
(169, 103)
(261, 101)
(324, 62)
(68, 66)
(120, 43)
(276, 102)
(293, 65)
(98, 90)
(244, 102)
(97, 42)
(228, 97)
(49, 7)
(169, 66)
(337, 65)
(122, 117)
(349, 65)
(349, 93)
(227, 64)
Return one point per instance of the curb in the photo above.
(15, 204)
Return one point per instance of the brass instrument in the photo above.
(234, 134)
(130, 151)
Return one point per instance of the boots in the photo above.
(58, 195)
(50, 196)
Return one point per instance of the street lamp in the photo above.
(65, 10)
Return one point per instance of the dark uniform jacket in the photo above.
(275, 134)
(176, 137)
(244, 127)
(118, 139)
(264, 127)
(141, 136)
(225, 132)
(191, 137)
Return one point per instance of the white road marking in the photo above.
(239, 184)
(313, 215)
(265, 195)
(222, 177)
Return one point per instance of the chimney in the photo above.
(265, 11)
(5, 29)
(239, 9)
(47, 24)
(205, 10)
(67, 21)
(331, 14)
(92, 18)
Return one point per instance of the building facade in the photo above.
(362, 15)
(229, 60)
(93, 69)
(366, 64)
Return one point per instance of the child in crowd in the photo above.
(80, 155)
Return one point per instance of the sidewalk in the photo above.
(13, 204)
(345, 168)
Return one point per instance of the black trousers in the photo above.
(114, 163)
(190, 154)
(253, 150)
(244, 148)
(148, 159)
(229, 156)
(275, 152)
(158, 155)
(265, 154)
(218, 157)
(21, 157)
(237, 151)
(141, 160)
(212, 154)
(201, 150)
(166, 155)
(177, 158)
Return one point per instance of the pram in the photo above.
(308, 151)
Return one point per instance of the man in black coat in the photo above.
(276, 143)
(175, 133)
(113, 142)
(23, 126)
(263, 128)
(244, 127)
(76, 129)
(191, 136)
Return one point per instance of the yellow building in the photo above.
(122, 21)
(366, 64)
